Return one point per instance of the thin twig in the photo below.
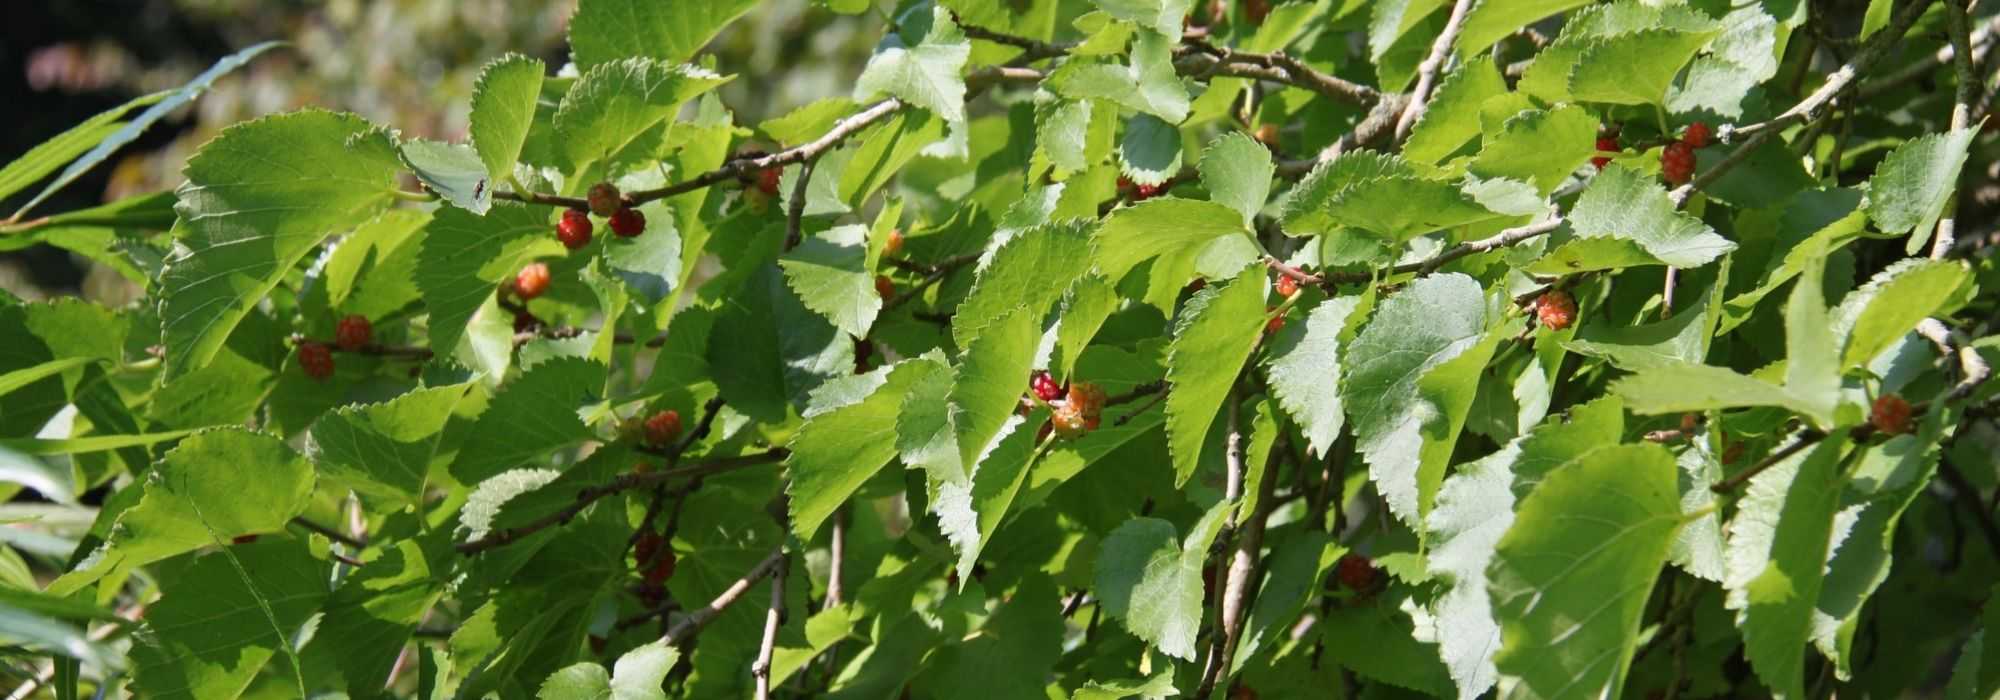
(1958, 21)
(937, 274)
(773, 616)
(1838, 81)
(1427, 72)
(1972, 368)
(1232, 454)
(837, 554)
(330, 533)
(795, 212)
(688, 626)
(1805, 439)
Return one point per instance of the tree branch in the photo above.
(1427, 72)
(773, 616)
(1232, 453)
(1972, 368)
(329, 533)
(699, 618)
(937, 274)
(1838, 81)
(1958, 19)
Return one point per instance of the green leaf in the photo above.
(1683, 338)
(637, 676)
(1541, 147)
(1452, 119)
(1493, 20)
(1148, 84)
(1213, 337)
(1909, 189)
(1150, 579)
(648, 264)
(44, 158)
(1237, 171)
(1475, 508)
(971, 509)
(1812, 355)
(1157, 227)
(1634, 69)
(531, 416)
(835, 452)
(221, 620)
(503, 110)
(1150, 152)
(603, 31)
(992, 374)
(369, 617)
(1885, 482)
(768, 351)
(1012, 653)
(808, 122)
(1089, 301)
(29, 375)
(613, 104)
(923, 63)
(1380, 194)
(451, 170)
(1305, 370)
(1062, 133)
(1411, 378)
(1893, 303)
(385, 449)
(214, 486)
(829, 274)
(1159, 685)
(465, 257)
(1626, 204)
(1162, 16)
(1030, 272)
(1571, 577)
(1681, 387)
(258, 198)
(158, 106)
(1777, 557)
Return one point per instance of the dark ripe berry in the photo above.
(1696, 135)
(1604, 143)
(1145, 192)
(1125, 186)
(1287, 286)
(885, 287)
(1355, 572)
(767, 180)
(1197, 285)
(525, 322)
(597, 644)
(574, 229)
(1556, 309)
(1255, 10)
(1677, 162)
(1268, 135)
(1045, 386)
(531, 281)
(604, 199)
(243, 539)
(663, 428)
(1890, 415)
(1690, 421)
(663, 567)
(895, 243)
(353, 332)
(628, 222)
(647, 545)
(1070, 423)
(316, 359)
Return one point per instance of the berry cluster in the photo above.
(1677, 159)
(1606, 142)
(1079, 408)
(351, 334)
(1555, 309)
